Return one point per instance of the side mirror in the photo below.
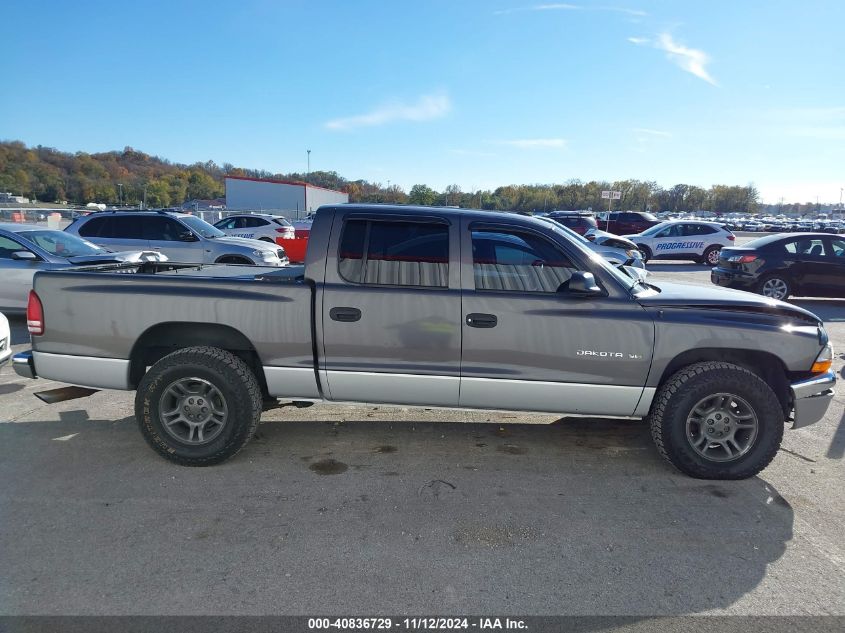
(27, 256)
(187, 236)
(581, 284)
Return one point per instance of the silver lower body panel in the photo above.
(86, 371)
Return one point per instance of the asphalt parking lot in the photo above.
(342, 510)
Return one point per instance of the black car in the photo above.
(777, 266)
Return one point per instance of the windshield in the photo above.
(202, 227)
(61, 244)
(655, 229)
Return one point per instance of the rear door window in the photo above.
(162, 229)
(395, 253)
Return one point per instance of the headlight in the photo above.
(634, 254)
(264, 254)
(824, 360)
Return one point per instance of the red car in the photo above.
(578, 222)
(627, 222)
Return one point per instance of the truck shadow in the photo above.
(578, 517)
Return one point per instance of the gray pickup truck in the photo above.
(435, 307)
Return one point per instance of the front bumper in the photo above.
(812, 397)
(24, 365)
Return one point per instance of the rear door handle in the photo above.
(478, 319)
(345, 315)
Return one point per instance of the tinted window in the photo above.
(517, 261)
(805, 246)
(93, 227)
(699, 229)
(9, 246)
(227, 224)
(200, 226)
(837, 247)
(121, 226)
(162, 229)
(395, 253)
(254, 222)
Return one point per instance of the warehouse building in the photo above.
(292, 199)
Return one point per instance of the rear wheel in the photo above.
(775, 287)
(645, 250)
(711, 255)
(717, 420)
(198, 406)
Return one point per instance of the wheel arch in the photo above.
(234, 258)
(764, 364)
(164, 338)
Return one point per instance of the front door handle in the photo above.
(345, 315)
(478, 319)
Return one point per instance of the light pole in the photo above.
(308, 173)
(120, 193)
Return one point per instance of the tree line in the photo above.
(131, 177)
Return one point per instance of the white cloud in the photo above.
(534, 143)
(426, 108)
(692, 60)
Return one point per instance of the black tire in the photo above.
(684, 390)
(646, 252)
(778, 281)
(708, 253)
(234, 259)
(236, 386)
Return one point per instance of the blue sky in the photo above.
(473, 93)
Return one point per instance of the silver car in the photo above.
(182, 237)
(618, 251)
(27, 248)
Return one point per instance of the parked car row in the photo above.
(775, 225)
(120, 237)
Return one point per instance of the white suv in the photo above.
(684, 239)
(5, 341)
(257, 226)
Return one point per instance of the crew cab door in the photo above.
(391, 310)
(527, 346)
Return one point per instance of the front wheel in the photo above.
(198, 406)
(716, 420)
(645, 251)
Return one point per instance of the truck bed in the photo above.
(101, 311)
